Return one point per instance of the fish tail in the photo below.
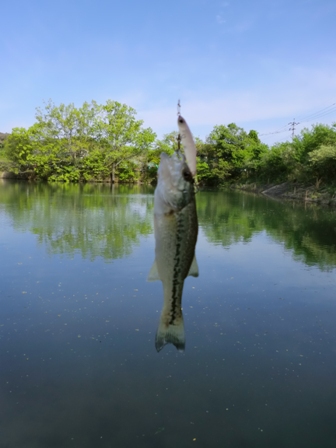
(170, 334)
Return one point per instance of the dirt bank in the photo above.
(288, 190)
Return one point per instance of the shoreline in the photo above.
(292, 191)
(284, 191)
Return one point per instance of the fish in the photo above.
(175, 231)
(188, 144)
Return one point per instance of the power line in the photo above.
(274, 132)
(321, 115)
(305, 119)
(292, 128)
(318, 112)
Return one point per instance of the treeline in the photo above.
(107, 143)
(93, 142)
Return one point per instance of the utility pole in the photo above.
(292, 128)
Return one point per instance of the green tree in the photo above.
(312, 139)
(71, 127)
(301, 159)
(66, 136)
(275, 164)
(230, 151)
(19, 147)
(5, 163)
(323, 163)
(3, 137)
(120, 135)
(87, 143)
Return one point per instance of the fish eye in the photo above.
(181, 120)
(187, 176)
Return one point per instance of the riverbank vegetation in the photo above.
(108, 143)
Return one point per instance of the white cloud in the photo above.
(220, 19)
(265, 108)
(242, 26)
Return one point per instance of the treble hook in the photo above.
(178, 107)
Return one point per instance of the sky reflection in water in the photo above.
(78, 322)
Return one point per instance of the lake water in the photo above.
(78, 366)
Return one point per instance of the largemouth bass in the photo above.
(175, 229)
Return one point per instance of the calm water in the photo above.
(78, 367)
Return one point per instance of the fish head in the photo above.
(188, 144)
(175, 188)
(181, 121)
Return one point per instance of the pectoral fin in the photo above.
(153, 273)
(194, 268)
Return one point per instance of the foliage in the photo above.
(2, 142)
(323, 162)
(78, 144)
(306, 158)
(120, 136)
(228, 154)
(4, 162)
(106, 142)
(19, 147)
(310, 140)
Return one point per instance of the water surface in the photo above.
(78, 366)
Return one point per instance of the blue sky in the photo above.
(256, 63)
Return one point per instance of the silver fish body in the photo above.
(175, 229)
